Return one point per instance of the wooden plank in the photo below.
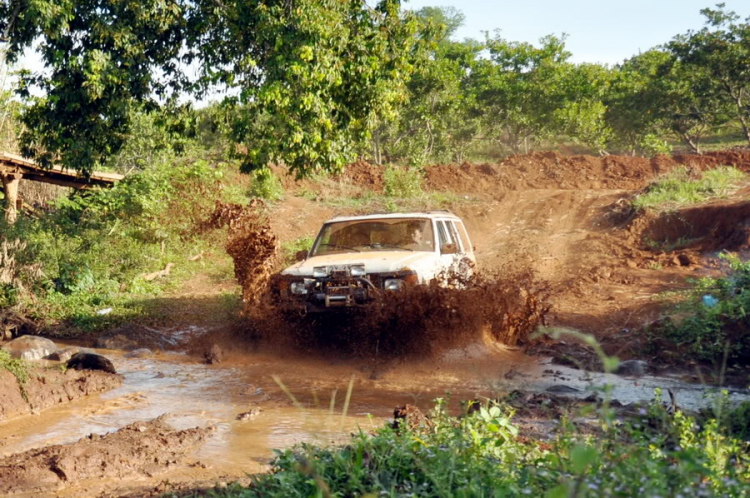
(55, 175)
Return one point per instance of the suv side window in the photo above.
(464, 237)
(443, 237)
(454, 235)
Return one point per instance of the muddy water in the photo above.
(302, 398)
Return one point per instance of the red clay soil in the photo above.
(545, 170)
(47, 387)
(140, 449)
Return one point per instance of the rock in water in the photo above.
(30, 347)
(89, 361)
(249, 414)
(562, 389)
(214, 355)
(634, 368)
(139, 353)
(65, 354)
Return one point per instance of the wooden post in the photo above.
(10, 186)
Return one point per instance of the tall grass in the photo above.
(678, 188)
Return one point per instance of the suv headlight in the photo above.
(358, 270)
(298, 288)
(393, 284)
(320, 272)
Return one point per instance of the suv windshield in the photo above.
(394, 234)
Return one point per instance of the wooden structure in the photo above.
(13, 168)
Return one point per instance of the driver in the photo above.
(415, 242)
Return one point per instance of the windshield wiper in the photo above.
(340, 247)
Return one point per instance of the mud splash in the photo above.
(423, 320)
(251, 243)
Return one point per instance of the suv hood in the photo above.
(374, 261)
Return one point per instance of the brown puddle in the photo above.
(199, 395)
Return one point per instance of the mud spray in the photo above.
(506, 305)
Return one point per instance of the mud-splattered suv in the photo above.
(355, 258)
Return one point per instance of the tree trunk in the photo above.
(10, 186)
(745, 128)
(692, 144)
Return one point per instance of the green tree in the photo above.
(527, 94)
(308, 79)
(655, 93)
(721, 51)
(632, 102)
(435, 123)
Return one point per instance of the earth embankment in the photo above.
(47, 387)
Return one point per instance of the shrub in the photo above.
(404, 183)
(290, 249)
(715, 319)
(91, 249)
(266, 185)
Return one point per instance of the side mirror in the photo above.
(300, 255)
(449, 249)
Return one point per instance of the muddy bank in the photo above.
(139, 449)
(48, 387)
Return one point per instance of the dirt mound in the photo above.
(545, 170)
(708, 227)
(364, 174)
(145, 448)
(49, 387)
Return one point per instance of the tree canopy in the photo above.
(313, 84)
(311, 76)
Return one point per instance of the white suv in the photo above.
(354, 258)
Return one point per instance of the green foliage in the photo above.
(94, 247)
(710, 332)
(404, 183)
(721, 51)
(266, 185)
(305, 81)
(290, 249)
(481, 454)
(679, 188)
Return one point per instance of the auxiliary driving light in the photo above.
(320, 271)
(298, 288)
(358, 270)
(393, 284)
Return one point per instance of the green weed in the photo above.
(92, 249)
(678, 188)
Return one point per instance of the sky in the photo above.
(606, 31)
